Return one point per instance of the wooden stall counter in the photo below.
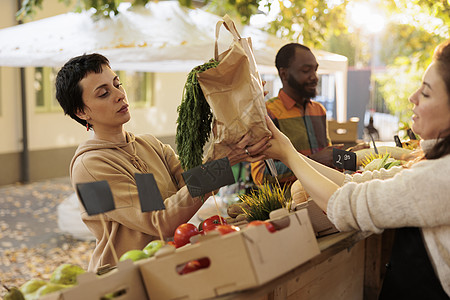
(350, 266)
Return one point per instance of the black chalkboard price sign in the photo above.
(344, 159)
(208, 177)
(149, 194)
(96, 197)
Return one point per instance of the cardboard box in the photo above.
(238, 260)
(125, 282)
(342, 132)
(322, 226)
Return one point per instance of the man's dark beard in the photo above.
(300, 88)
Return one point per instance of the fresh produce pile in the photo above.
(377, 162)
(148, 251)
(194, 120)
(31, 243)
(214, 225)
(64, 276)
(236, 213)
(411, 144)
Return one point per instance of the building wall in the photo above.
(9, 91)
(358, 95)
(10, 108)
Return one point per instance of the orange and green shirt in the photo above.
(306, 128)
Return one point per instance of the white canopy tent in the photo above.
(162, 37)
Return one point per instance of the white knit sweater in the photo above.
(398, 197)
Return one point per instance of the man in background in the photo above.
(293, 111)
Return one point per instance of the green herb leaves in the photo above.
(194, 120)
(262, 201)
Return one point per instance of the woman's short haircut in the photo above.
(68, 90)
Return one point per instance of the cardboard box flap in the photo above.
(272, 253)
(124, 283)
(321, 224)
(53, 296)
(342, 132)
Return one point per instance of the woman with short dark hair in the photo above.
(92, 94)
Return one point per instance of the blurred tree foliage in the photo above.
(408, 45)
(437, 8)
(310, 22)
(28, 9)
(407, 51)
(344, 44)
(396, 85)
(236, 9)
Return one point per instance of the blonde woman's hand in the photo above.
(280, 145)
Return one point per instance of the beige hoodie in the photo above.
(129, 228)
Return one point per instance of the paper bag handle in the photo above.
(229, 25)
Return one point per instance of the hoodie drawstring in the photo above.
(135, 160)
(139, 164)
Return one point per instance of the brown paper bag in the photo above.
(235, 94)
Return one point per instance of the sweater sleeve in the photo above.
(412, 197)
(369, 175)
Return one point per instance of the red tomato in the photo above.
(225, 229)
(195, 265)
(191, 266)
(204, 262)
(211, 223)
(269, 225)
(183, 233)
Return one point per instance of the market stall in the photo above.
(251, 264)
(247, 262)
(350, 266)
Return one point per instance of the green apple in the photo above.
(66, 274)
(134, 255)
(13, 294)
(152, 247)
(50, 288)
(32, 285)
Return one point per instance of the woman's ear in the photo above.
(82, 114)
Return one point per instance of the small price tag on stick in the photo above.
(149, 194)
(398, 143)
(344, 159)
(97, 198)
(208, 177)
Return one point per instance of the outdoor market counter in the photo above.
(350, 266)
